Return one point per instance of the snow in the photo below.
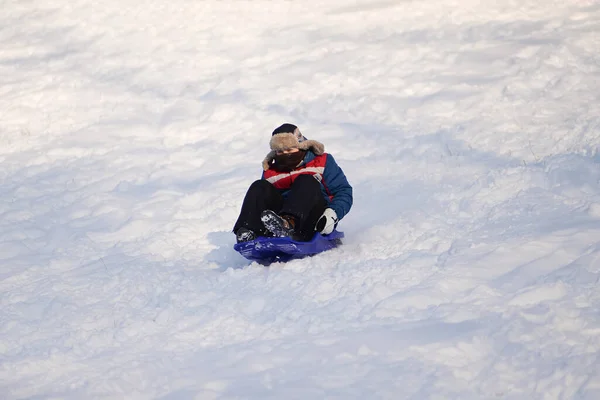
(130, 131)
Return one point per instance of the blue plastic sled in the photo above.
(266, 250)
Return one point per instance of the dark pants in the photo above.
(304, 202)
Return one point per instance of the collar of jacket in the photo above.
(308, 158)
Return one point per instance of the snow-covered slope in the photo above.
(129, 132)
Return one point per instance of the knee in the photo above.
(307, 180)
(259, 186)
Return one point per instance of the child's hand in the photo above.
(327, 223)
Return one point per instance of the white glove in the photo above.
(327, 223)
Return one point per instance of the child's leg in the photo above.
(306, 204)
(261, 195)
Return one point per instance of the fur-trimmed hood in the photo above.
(286, 137)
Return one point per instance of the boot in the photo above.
(244, 235)
(278, 225)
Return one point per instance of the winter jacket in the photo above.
(334, 185)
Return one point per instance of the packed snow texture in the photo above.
(130, 131)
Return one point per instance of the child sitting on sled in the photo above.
(302, 191)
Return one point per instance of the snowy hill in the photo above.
(130, 131)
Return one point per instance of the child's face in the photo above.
(288, 151)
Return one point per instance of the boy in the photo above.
(302, 190)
